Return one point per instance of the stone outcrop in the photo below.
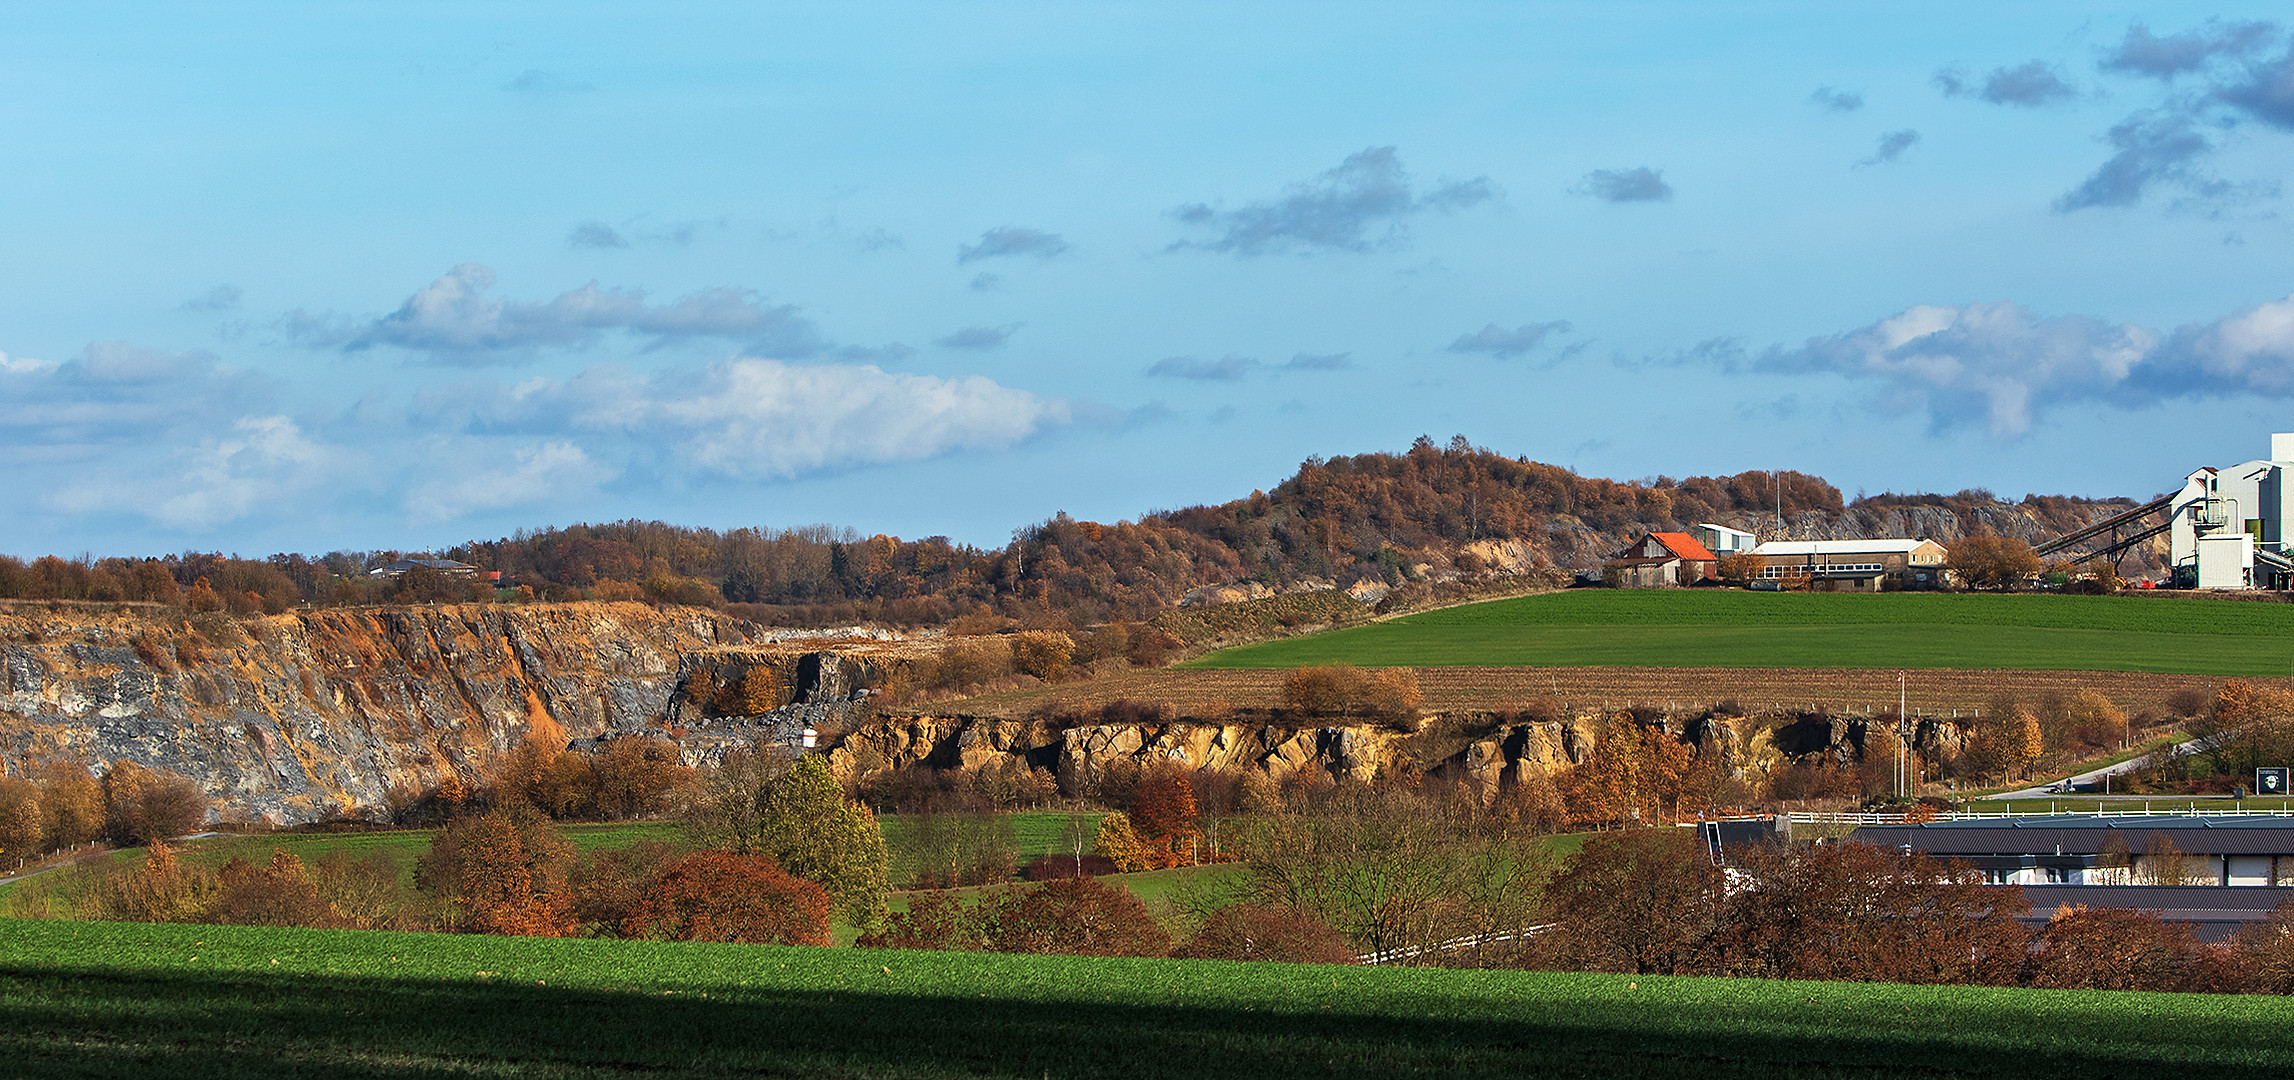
(294, 717)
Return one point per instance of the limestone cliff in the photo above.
(295, 716)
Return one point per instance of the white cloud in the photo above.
(2002, 366)
(537, 473)
(749, 418)
(454, 318)
(265, 464)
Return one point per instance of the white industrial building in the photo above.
(2230, 528)
(2227, 528)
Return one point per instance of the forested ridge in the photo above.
(1438, 512)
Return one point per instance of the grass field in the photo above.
(102, 999)
(1739, 629)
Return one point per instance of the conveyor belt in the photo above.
(2110, 524)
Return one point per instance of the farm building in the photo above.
(2217, 873)
(1660, 559)
(1853, 565)
(2075, 849)
(443, 566)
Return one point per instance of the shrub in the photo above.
(278, 893)
(2187, 702)
(1076, 917)
(2117, 949)
(609, 885)
(1263, 932)
(1043, 654)
(160, 889)
(724, 896)
(71, 804)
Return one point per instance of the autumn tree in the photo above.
(144, 806)
(1162, 813)
(503, 872)
(1641, 901)
(71, 804)
(2093, 721)
(1119, 843)
(1739, 568)
(1991, 562)
(1394, 869)
(1855, 911)
(23, 824)
(725, 896)
(1043, 654)
(2007, 740)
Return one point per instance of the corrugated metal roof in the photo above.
(1839, 547)
(2085, 836)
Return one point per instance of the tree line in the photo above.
(1345, 519)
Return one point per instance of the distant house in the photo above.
(443, 566)
(1722, 540)
(1660, 559)
(1853, 565)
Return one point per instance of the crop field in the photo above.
(110, 999)
(1201, 692)
(1733, 628)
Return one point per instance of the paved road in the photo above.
(2094, 776)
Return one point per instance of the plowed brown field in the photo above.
(1461, 688)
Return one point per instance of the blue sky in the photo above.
(393, 276)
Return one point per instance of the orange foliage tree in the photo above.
(504, 872)
(1635, 772)
(1162, 815)
(724, 896)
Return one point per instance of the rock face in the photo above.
(297, 716)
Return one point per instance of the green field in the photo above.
(109, 999)
(1734, 628)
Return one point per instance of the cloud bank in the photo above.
(2002, 367)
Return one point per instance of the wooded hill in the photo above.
(1432, 513)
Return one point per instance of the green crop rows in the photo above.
(105, 999)
(1731, 628)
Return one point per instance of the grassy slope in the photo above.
(98, 999)
(1730, 628)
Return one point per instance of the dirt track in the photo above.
(1459, 688)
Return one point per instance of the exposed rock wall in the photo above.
(296, 716)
